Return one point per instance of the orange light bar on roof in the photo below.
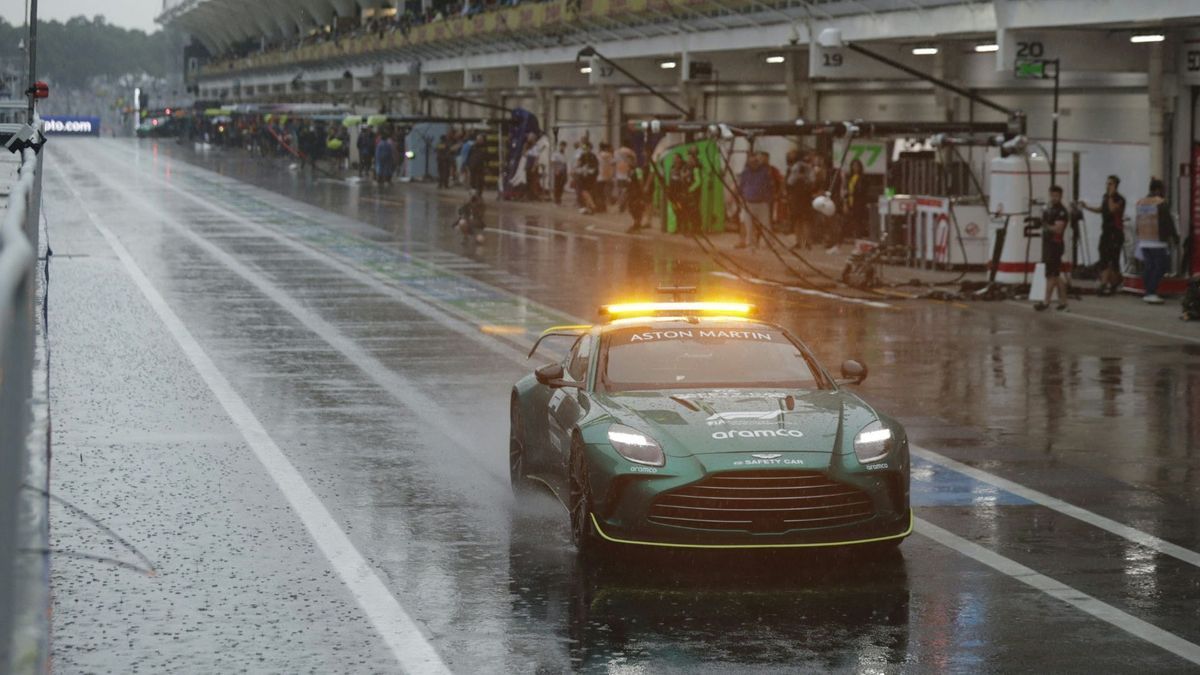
(739, 308)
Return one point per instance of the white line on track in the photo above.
(1096, 520)
(1060, 591)
(576, 232)
(514, 233)
(603, 232)
(806, 291)
(1118, 324)
(565, 234)
(398, 630)
(1081, 601)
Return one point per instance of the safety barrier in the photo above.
(19, 423)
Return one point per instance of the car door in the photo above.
(568, 404)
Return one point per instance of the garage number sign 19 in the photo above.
(1189, 57)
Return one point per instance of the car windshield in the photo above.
(691, 356)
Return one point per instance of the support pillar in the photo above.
(546, 110)
(800, 93)
(802, 97)
(945, 69)
(1157, 126)
(610, 102)
(693, 97)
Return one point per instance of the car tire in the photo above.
(579, 503)
(517, 456)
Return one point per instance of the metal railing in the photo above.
(18, 335)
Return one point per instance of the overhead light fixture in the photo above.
(1147, 37)
(830, 38)
(983, 49)
(924, 51)
(775, 59)
(667, 65)
(585, 70)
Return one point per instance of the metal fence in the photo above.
(18, 334)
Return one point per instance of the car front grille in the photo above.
(762, 502)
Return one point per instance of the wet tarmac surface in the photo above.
(377, 354)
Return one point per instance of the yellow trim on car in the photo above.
(596, 524)
(582, 327)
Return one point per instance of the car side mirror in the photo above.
(853, 372)
(551, 375)
(548, 373)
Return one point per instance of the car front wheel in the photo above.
(580, 503)
(517, 467)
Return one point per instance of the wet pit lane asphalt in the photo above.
(360, 342)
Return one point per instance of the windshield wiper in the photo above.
(685, 403)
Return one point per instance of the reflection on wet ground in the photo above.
(816, 611)
(409, 453)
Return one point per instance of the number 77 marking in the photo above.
(873, 151)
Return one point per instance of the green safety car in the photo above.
(690, 424)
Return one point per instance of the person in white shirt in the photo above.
(1155, 230)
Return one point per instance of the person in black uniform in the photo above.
(470, 218)
(1054, 225)
(1112, 235)
(635, 197)
(442, 153)
(477, 162)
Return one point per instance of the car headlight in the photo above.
(873, 442)
(635, 446)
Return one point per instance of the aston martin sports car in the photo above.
(690, 424)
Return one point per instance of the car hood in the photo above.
(736, 420)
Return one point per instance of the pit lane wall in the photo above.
(24, 421)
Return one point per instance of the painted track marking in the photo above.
(1094, 519)
(1117, 324)
(515, 233)
(398, 630)
(806, 291)
(1060, 591)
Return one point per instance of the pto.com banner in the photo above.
(71, 125)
